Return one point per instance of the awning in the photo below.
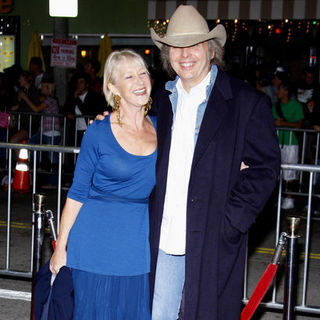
(240, 9)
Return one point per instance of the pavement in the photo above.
(15, 292)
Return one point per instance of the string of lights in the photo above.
(238, 29)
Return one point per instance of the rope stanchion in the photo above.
(39, 217)
(291, 268)
(49, 216)
(264, 282)
(38, 231)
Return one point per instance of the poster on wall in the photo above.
(63, 53)
(6, 52)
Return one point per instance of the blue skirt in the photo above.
(101, 297)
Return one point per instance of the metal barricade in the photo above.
(68, 131)
(37, 119)
(274, 303)
(302, 305)
(34, 150)
(308, 142)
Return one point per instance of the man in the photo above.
(279, 76)
(35, 67)
(209, 126)
(308, 89)
(82, 102)
(92, 67)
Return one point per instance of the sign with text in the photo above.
(6, 6)
(63, 53)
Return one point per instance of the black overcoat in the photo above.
(223, 202)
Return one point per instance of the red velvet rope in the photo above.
(259, 292)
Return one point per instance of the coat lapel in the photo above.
(164, 130)
(164, 124)
(216, 110)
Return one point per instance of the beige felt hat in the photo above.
(187, 28)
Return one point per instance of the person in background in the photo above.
(308, 94)
(92, 67)
(7, 95)
(214, 174)
(308, 89)
(288, 113)
(8, 98)
(7, 92)
(35, 67)
(104, 230)
(49, 128)
(27, 88)
(82, 102)
(279, 76)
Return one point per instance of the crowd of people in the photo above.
(29, 96)
(295, 105)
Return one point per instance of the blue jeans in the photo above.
(35, 139)
(170, 274)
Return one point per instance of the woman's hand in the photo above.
(58, 260)
(22, 95)
(69, 216)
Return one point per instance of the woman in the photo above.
(28, 89)
(105, 222)
(50, 125)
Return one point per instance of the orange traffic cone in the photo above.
(21, 182)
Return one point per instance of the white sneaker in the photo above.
(287, 203)
(5, 180)
(316, 213)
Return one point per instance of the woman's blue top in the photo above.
(111, 233)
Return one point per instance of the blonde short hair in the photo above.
(111, 69)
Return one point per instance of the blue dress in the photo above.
(108, 245)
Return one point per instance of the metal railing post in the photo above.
(291, 270)
(38, 213)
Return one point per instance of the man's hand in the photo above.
(243, 166)
(278, 122)
(316, 127)
(310, 106)
(100, 116)
(78, 93)
(70, 115)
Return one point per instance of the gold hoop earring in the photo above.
(147, 107)
(116, 107)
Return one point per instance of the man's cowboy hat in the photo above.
(187, 28)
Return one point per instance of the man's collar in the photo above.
(171, 85)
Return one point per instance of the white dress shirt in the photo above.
(38, 80)
(173, 227)
(80, 122)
